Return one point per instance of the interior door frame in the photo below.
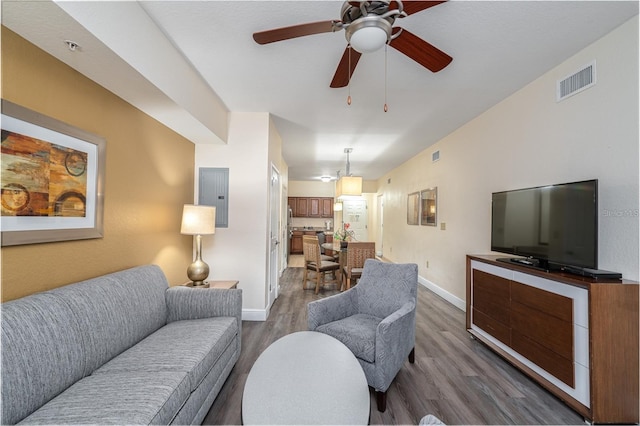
(275, 225)
(380, 225)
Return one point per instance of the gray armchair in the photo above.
(376, 320)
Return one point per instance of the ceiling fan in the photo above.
(368, 26)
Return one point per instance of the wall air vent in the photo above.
(435, 156)
(576, 82)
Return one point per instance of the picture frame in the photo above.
(53, 177)
(413, 208)
(429, 206)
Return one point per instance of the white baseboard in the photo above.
(454, 300)
(255, 314)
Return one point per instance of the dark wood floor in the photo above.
(454, 377)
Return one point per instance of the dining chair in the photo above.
(314, 238)
(357, 253)
(311, 250)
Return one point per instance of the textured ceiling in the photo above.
(184, 61)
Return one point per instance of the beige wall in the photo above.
(528, 140)
(149, 176)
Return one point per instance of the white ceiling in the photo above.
(186, 62)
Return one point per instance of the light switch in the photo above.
(443, 226)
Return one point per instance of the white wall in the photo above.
(241, 251)
(528, 140)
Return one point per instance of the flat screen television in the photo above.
(551, 226)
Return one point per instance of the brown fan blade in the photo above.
(343, 74)
(420, 51)
(412, 7)
(286, 33)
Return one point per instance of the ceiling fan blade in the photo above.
(342, 75)
(415, 6)
(420, 51)
(286, 33)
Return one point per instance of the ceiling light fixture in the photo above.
(325, 178)
(369, 27)
(348, 185)
(368, 34)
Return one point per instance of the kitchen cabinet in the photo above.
(296, 242)
(326, 207)
(302, 207)
(315, 207)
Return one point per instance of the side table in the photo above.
(217, 284)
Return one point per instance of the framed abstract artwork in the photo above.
(52, 179)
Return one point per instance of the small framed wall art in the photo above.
(52, 179)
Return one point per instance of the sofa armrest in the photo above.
(331, 309)
(397, 331)
(194, 303)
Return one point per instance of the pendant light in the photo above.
(348, 185)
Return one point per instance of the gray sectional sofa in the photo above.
(123, 348)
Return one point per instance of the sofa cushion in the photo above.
(190, 346)
(116, 311)
(134, 397)
(357, 332)
(42, 353)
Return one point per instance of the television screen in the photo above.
(556, 224)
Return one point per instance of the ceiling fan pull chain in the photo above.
(386, 108)
(349, 74)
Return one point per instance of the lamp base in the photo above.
(195, 285)
(197, 272)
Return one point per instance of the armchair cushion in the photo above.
(357, 332)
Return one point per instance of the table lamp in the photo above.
(198, 221)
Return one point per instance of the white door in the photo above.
(354, 212)
(380, 225)
(274, 234)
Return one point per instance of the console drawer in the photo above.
(491, 296)
(496, 329)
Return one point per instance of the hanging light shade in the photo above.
(349, 186)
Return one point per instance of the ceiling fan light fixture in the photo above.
(368, 33)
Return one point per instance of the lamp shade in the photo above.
(349, 186)
(198, 220)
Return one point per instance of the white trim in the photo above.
(454, 300)
(255, 314)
